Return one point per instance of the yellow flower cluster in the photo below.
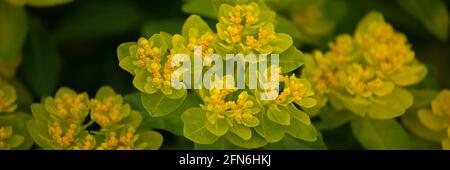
(109, 111)
(205, 41)
(122, 142)
(65, 137)
(438, 118)
(145, 52)
(239, 107)
(246, 27)
(384, 48)
(364, 82)
(71, 107)
(296, 90)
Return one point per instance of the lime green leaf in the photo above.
(171, 122)
(219, 128)
(380, 134)
(255, 141)
(39, 112)
(158, 104)
(124, 50)
(268, 129)
(279, 115)
(13, 29)
(281, 42)
(291, 143)
(290, 60)
(302, 131)
(221, 144)
(152, 139)
(38, 130)
(432, 13)
(242, 131)
(195, 22)
(195, 128)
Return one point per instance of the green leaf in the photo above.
(279, 115)
(195, 126)
(380, 134)
(38, 130)
(152, 139)
(221, 144)
(41, 64)
(133, 120)
(255, 141)
(242, 131)
(124, 50)
(158, 104)
(219, 128)
(47, 3)
(195, 22)
(171, 122)
(281, 43)
(285, 26)
(291, 143)
(432, 13)
(302, 131)
(13, 29)
(268, 129)
(290, 60)
(331, 118)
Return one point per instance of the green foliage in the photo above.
(432, 14)
(13, 29)
(380, 134)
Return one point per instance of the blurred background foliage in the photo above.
(73, 42)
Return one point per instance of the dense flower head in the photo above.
(360, 71)
(321, 71)
(248, 28)
(296, 90)
(388, 51)
(60, 122)
(109, 110)
(68, 106)
(7, 97)
(63, 135)
(360, 81)
(123, 141)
